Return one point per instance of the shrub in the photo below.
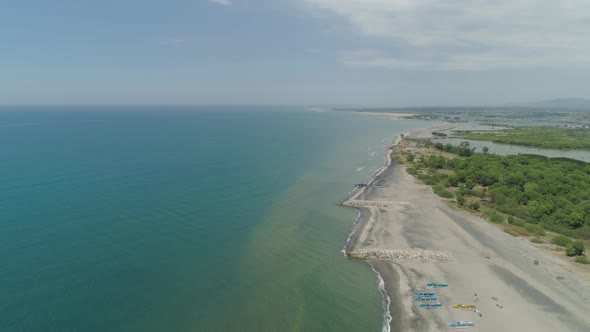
(430, 182)
(536, 240)
(424, 177)
(442, 192)
(478, 193)
(412, 170)
(575, 249)
(535, 229)
(519, 223)
(464, 190)
(582, 260)
(496, 218)
(510, 219)
(474, 205)
(460, 199)
(562, 241)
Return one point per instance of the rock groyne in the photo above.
(395, 254)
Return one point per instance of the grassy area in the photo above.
(542, 137)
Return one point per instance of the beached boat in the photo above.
(437, 284)
(420, 293)
(461, 324)
(422, 299)
(464, 306)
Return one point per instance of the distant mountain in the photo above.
(564, 103)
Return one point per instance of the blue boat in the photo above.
(461, 324)
(437, 285)
(430, 305)
(422, 299)
(424, 293)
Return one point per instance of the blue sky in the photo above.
(347, 52)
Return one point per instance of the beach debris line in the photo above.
(393, 254)
(461, 324)
(431, 305)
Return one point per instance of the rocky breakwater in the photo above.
(379, 204)
(395, 254)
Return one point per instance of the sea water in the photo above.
(169, 218)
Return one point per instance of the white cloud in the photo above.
(467, 34)
(226, 3)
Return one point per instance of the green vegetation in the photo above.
(542, 137)
(527, 194)
(553, 193)
(474, 205)
(582, 260)
(435, 133)
(575, 249)
(442, 192)
(535, 229)
(462, 150)
(562, 241)
(537, 240)
(493, 216)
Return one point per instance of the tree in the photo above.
(464, 149)
(485, 149)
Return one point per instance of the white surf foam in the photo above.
(386, 301)
(355, 227)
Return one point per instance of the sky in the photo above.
(302, 52)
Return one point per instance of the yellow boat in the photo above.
(464, 306)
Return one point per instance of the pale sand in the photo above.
(487, 262)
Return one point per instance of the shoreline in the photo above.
(426, 223)
(391, 309)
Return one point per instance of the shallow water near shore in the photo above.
(184, 218)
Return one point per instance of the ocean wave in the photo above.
(386, 301)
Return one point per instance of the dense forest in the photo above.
(542, 137)
(530, 191)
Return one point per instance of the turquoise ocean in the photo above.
(178, 218)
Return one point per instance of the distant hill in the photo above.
(564, 103)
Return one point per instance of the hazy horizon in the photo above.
(297, 52)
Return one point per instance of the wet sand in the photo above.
(489, 269)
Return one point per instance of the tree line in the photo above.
(534, 191)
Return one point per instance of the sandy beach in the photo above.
(484, 266)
